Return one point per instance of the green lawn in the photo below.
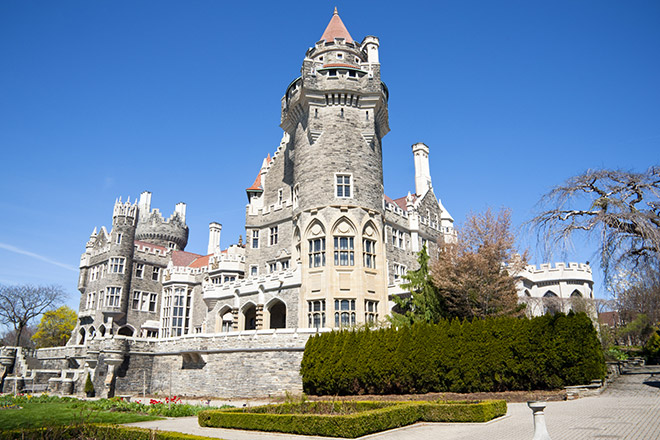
(34, 415)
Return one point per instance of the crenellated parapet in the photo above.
(153, 227)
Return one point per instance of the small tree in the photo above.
(472, 274)
(424, 303)
(55, 327)
(89, 386)
(21, 304)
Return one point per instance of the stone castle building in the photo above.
(325, 248)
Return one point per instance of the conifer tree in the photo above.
(424, 303)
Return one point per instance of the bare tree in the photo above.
(620, 209)
(472, 274)
(20, 304)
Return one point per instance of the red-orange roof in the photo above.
(336, 29)
(256, 186)
(200, 262)
(183, 258)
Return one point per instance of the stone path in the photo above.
(629, 409)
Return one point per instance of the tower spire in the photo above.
(336, 29)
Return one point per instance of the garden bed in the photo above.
(349, 419)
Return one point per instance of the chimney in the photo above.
(214, 237)
(422, 171)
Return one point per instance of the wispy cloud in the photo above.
(16, 250)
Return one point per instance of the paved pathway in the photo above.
(629, 409)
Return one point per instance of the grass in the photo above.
(36, 415)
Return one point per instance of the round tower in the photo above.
(335, 115)
(171, 233)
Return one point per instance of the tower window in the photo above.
(340, 56)
(344, 251)
(317, 252)
(316, 314)
(280, 196)
(371, 311)
(344, 185)
(332, 72)
(117, 265)
(255, 239)
(344, 312)
(171, 245)
(112, 296)
(254, 271)
(139, 270)
(369, 247)
(119, 238)
(273, 235)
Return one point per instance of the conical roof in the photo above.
(336, 29)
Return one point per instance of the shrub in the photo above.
(89, 385)
(348, 419)
(496, 354)
(96, 432)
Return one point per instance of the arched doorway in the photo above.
(250, 317)
(277, 312)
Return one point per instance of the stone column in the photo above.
(260, 317)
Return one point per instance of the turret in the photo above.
(422, 170)
(214, 238)
(171, 233)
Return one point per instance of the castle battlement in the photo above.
(556, 267)
(124, 209)
(272, 281)
(150, 249)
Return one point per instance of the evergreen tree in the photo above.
(424, 303)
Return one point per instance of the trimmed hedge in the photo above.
(97, 432)
(370, 416)
(497, 354)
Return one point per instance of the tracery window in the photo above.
(370, 311)
(344, 251)
(316, 313)
(344, 312)
(317, 252)
(369, 252)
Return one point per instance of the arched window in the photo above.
(225, 320)
(125, 331)
(344, 243)
(81, 339)
(576, 294)
(344, 312)
(370, 235)
(316, 242)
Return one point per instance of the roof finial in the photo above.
(336, 13)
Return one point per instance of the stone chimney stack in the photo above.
(422, 170)
(214, 237)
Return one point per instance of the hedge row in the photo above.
(499, 354)
(382, 417)
(96, 432)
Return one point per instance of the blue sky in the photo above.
(109, 98)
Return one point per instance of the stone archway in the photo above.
(250, 317)
(277, 314)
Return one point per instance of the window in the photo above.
(285, 264)
(155, 275)
(280, 196)
(101, 299)
(344, 255)
(343, 185)
(254, 271)
(170, 245)
(316, 314)
(139, 270)
(152, 301)
(369, 248)
(176, 312)
(112, 296)
(91, 300)
(152, 333)
(370, 311)
(344, 312)
(230, 279)
(136, 300)
(398, 270)
(340, 56)
(273, 235)
(332, 72)
(296, 191)
(398, 238)
(272, 267)
(255, 239)
(117, 265)
(119, 238)
(317, 252)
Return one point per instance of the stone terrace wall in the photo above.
(258, 363)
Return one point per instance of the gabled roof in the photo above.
(336, 29)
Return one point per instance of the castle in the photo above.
(325, 248)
